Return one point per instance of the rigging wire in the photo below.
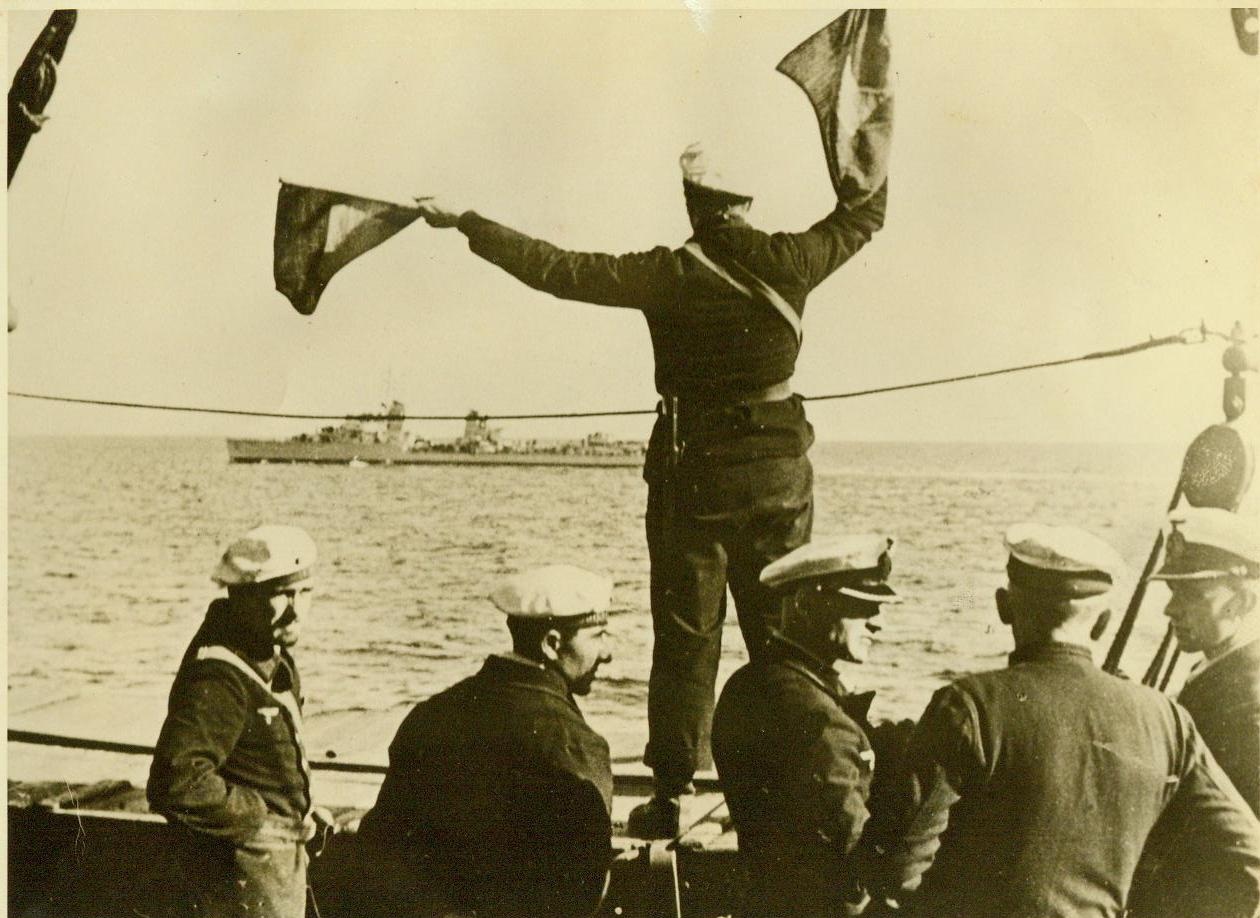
(1187, 336)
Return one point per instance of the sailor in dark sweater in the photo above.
(730, 487)
(498, 798)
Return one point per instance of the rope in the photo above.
(626, 782)
(36, 738)
(1184, 337)
(323, 417)
(1181, 338)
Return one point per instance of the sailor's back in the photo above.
(1065, 773)
(1033, 791)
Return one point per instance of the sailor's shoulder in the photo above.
(979, 685)
(1235, 676)
(779, 697)
(219, 665)
(1228, 693)
(788, 680)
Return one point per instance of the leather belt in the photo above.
(775, 392)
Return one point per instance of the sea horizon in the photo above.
(111, 544)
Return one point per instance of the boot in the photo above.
(658, 818)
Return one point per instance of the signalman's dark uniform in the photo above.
(730, 486)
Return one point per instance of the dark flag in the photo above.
(1247, 28)
(34, 82)
(843, 68)
(32, 87)
(319, 232)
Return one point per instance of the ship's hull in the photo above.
(291, 451)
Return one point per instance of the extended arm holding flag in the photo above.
(723, 312)
(319, 232)
(844, 69)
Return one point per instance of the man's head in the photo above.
(1058, 587)
(710, 190)
(267, 573)
(558, 616)
(1211, 566)
(830, 593)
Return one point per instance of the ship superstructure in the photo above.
(382, 440)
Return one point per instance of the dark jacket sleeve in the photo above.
(207, 715)
(944, 757)
(833, 767)
(634, 281)
(1204, 856)
(833, 240)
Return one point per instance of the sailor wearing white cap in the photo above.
(558, 616)
(230, 767)
(498, 797)
(714, 191)
(1052, 775)
(271, 566)
(730, 485)
(836, 585)
(791, 745)
(1212, 568)
(1062, 578)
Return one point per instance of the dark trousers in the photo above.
(708, 529)
(212, 878)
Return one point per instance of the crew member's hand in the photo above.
(437, 213)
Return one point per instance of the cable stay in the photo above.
(1197, 335)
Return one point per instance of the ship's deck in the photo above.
(82, 843)
(338, 738)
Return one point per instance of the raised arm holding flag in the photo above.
(730, 487)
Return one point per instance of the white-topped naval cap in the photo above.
(560, 591)
(1207, 542)
(269, 555)
(860, 565)
(1062, 549)
(1060, 562)
(702, 168)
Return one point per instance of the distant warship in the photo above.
(367, 441)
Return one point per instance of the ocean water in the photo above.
(111, 543)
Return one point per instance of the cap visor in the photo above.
(717, 196)
(1192, 575)
(875, 593)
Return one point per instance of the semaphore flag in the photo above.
(34, 82)
(1247, 28)
(319, 232)
(844, 69)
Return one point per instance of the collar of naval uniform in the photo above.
(775, 392)
(1046, 651)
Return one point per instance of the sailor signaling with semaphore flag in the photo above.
(730, 487)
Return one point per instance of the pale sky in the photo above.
(1062, 181)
